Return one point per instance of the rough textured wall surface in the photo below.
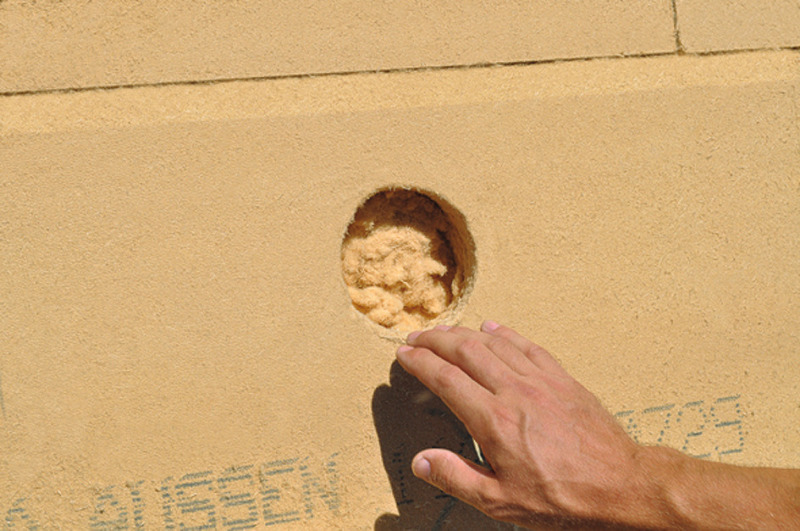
(717, 25)
(179, 334)
(179, 344)
(56, 45)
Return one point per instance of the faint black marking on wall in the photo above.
(704, 429)
(246, 497)
(17, 517)
(297, 490)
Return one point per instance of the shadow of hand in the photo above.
(409, 418)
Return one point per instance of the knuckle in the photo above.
(562, 386)
(498, 343)
(506, 333)
(468, 348)
(531, 393)
(496, 510)
(489, 505)
(525, 390)
(502, 418)
(442, 476)
(536, 351)
(440, 479)
(447, 376)
(494, 504)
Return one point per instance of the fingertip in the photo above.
(402, 355)
(489, 326)
(456, 476)
(412, 336)
(421, 467)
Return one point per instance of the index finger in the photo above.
(466, 398)
(468, 353)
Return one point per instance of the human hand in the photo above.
(554, 451)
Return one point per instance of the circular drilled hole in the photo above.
(408, 259)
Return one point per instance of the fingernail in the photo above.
(413, 335)
(489, 326)
(421, 468)
(404, 348)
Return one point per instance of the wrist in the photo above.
(642, 495)
(681, 492)
(652, 503)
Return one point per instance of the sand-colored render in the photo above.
(105, 43)
(714, 25)
(180, 344)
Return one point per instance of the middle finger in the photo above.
(500, 347)
(466, 352)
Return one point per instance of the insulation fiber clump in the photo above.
(399, 261)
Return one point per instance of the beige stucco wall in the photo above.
(180, 347)
(56, 45)
(719, 25)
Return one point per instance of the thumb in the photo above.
(454, 475)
